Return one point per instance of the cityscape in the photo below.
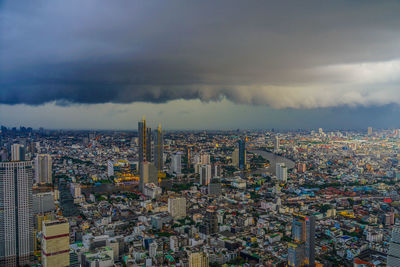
(170, 133)
(199, 198)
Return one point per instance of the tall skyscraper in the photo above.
(17, 152)
(302, 251)
(177, 207)
(242, 154)
(144, 141)
(205, 174)
(16, 220)
(176, 163)
(198, 259)
(158, 149)
(281, 172)
(149, 151)
(43, 169)
(235, 157)
(110, 168)
(188, 157)
(55, 243)
(276, 144)
(210, 222)
(393, 257)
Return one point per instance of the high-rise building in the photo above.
(205, 158)
(43, 203)
(177, 207)
(176, 163)
(214, 187)
(144, 136)
(153, 249)
(369, 130)
(210, 222)
(198, 259)
(216, 170)
(281, 172)
(149, 150)
(393, 257)
(302, 251)
(43, 169)
(235, 157)
(75, 190)
(55, 243)
(188, 157)
(16, 220)
(17, 152)
(295, 255)
(158, 149)
(242, 154)
(148, 174)
(173, 243)
(110, 168)
(276, 144)
(205, 174)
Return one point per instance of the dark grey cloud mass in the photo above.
(296, 54)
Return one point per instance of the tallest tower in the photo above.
(142, 135)
(158, 149)
(16, 221)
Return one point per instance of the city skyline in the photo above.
(199, 133)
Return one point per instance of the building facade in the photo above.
(55, 243)
(43, 169)
(16, 215)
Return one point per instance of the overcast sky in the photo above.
(200, 64)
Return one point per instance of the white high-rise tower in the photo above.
(16, 220)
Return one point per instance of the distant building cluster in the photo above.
(199, 198)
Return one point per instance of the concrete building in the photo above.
(153, 250)
(16, 220)
(159, 149)
(43, 203)
(205, 159)
(198, 259)
(302, 251)
(176, 163)
(205, 174)
(43, 169)
(214, 187)
(152, 191)
(369, 130)
(55, 243)
(281, 172)
(393, 258)
(177, 207)
(242, 153)
(17, 152)
(110, 168)
(100, 257)
(235, 157)
(276, 144)
(148, 174)
(144, 136)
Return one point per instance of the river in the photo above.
(273, 159)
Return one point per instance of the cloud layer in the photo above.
(284, 55)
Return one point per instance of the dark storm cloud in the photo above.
(300, 54)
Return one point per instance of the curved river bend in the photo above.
(273, 159)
